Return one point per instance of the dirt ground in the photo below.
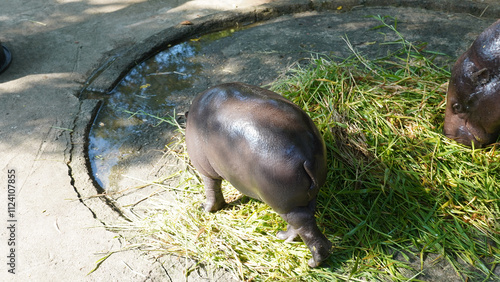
(52, 226)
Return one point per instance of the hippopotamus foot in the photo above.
(301, 221)
(320, 249)
(215, 200)
(289, 235)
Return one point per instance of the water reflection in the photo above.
(146, 88)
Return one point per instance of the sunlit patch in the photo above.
(104, 9)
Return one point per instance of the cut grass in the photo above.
(397, 190)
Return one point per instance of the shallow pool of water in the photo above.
(129, 110)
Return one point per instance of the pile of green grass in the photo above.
(397, 189)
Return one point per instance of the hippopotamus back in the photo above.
(260, 142)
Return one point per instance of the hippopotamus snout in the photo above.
(461, 134)
(267, 148)
(472, 114)
(461, 128)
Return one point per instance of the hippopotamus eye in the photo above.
(457, 108)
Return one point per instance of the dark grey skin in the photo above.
(473, 100)
(267, 148)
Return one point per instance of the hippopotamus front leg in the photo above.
(301, 222)
(215, 199)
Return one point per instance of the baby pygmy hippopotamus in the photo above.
(473, 100)
(267, 148)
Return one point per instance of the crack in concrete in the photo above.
(71, 147)
(83, 183)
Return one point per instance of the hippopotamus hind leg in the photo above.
(301, 221)
(291, 233)
(215, 200)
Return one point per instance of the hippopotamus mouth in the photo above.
(464, 134)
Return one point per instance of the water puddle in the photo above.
(127, 111)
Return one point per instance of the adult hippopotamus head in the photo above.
(473, 101)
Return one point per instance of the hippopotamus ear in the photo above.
(480, 77)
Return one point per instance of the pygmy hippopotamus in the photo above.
(473, 101)
(267, 148)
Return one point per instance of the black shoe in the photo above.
(5, 58)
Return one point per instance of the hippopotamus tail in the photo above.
(317, 180)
